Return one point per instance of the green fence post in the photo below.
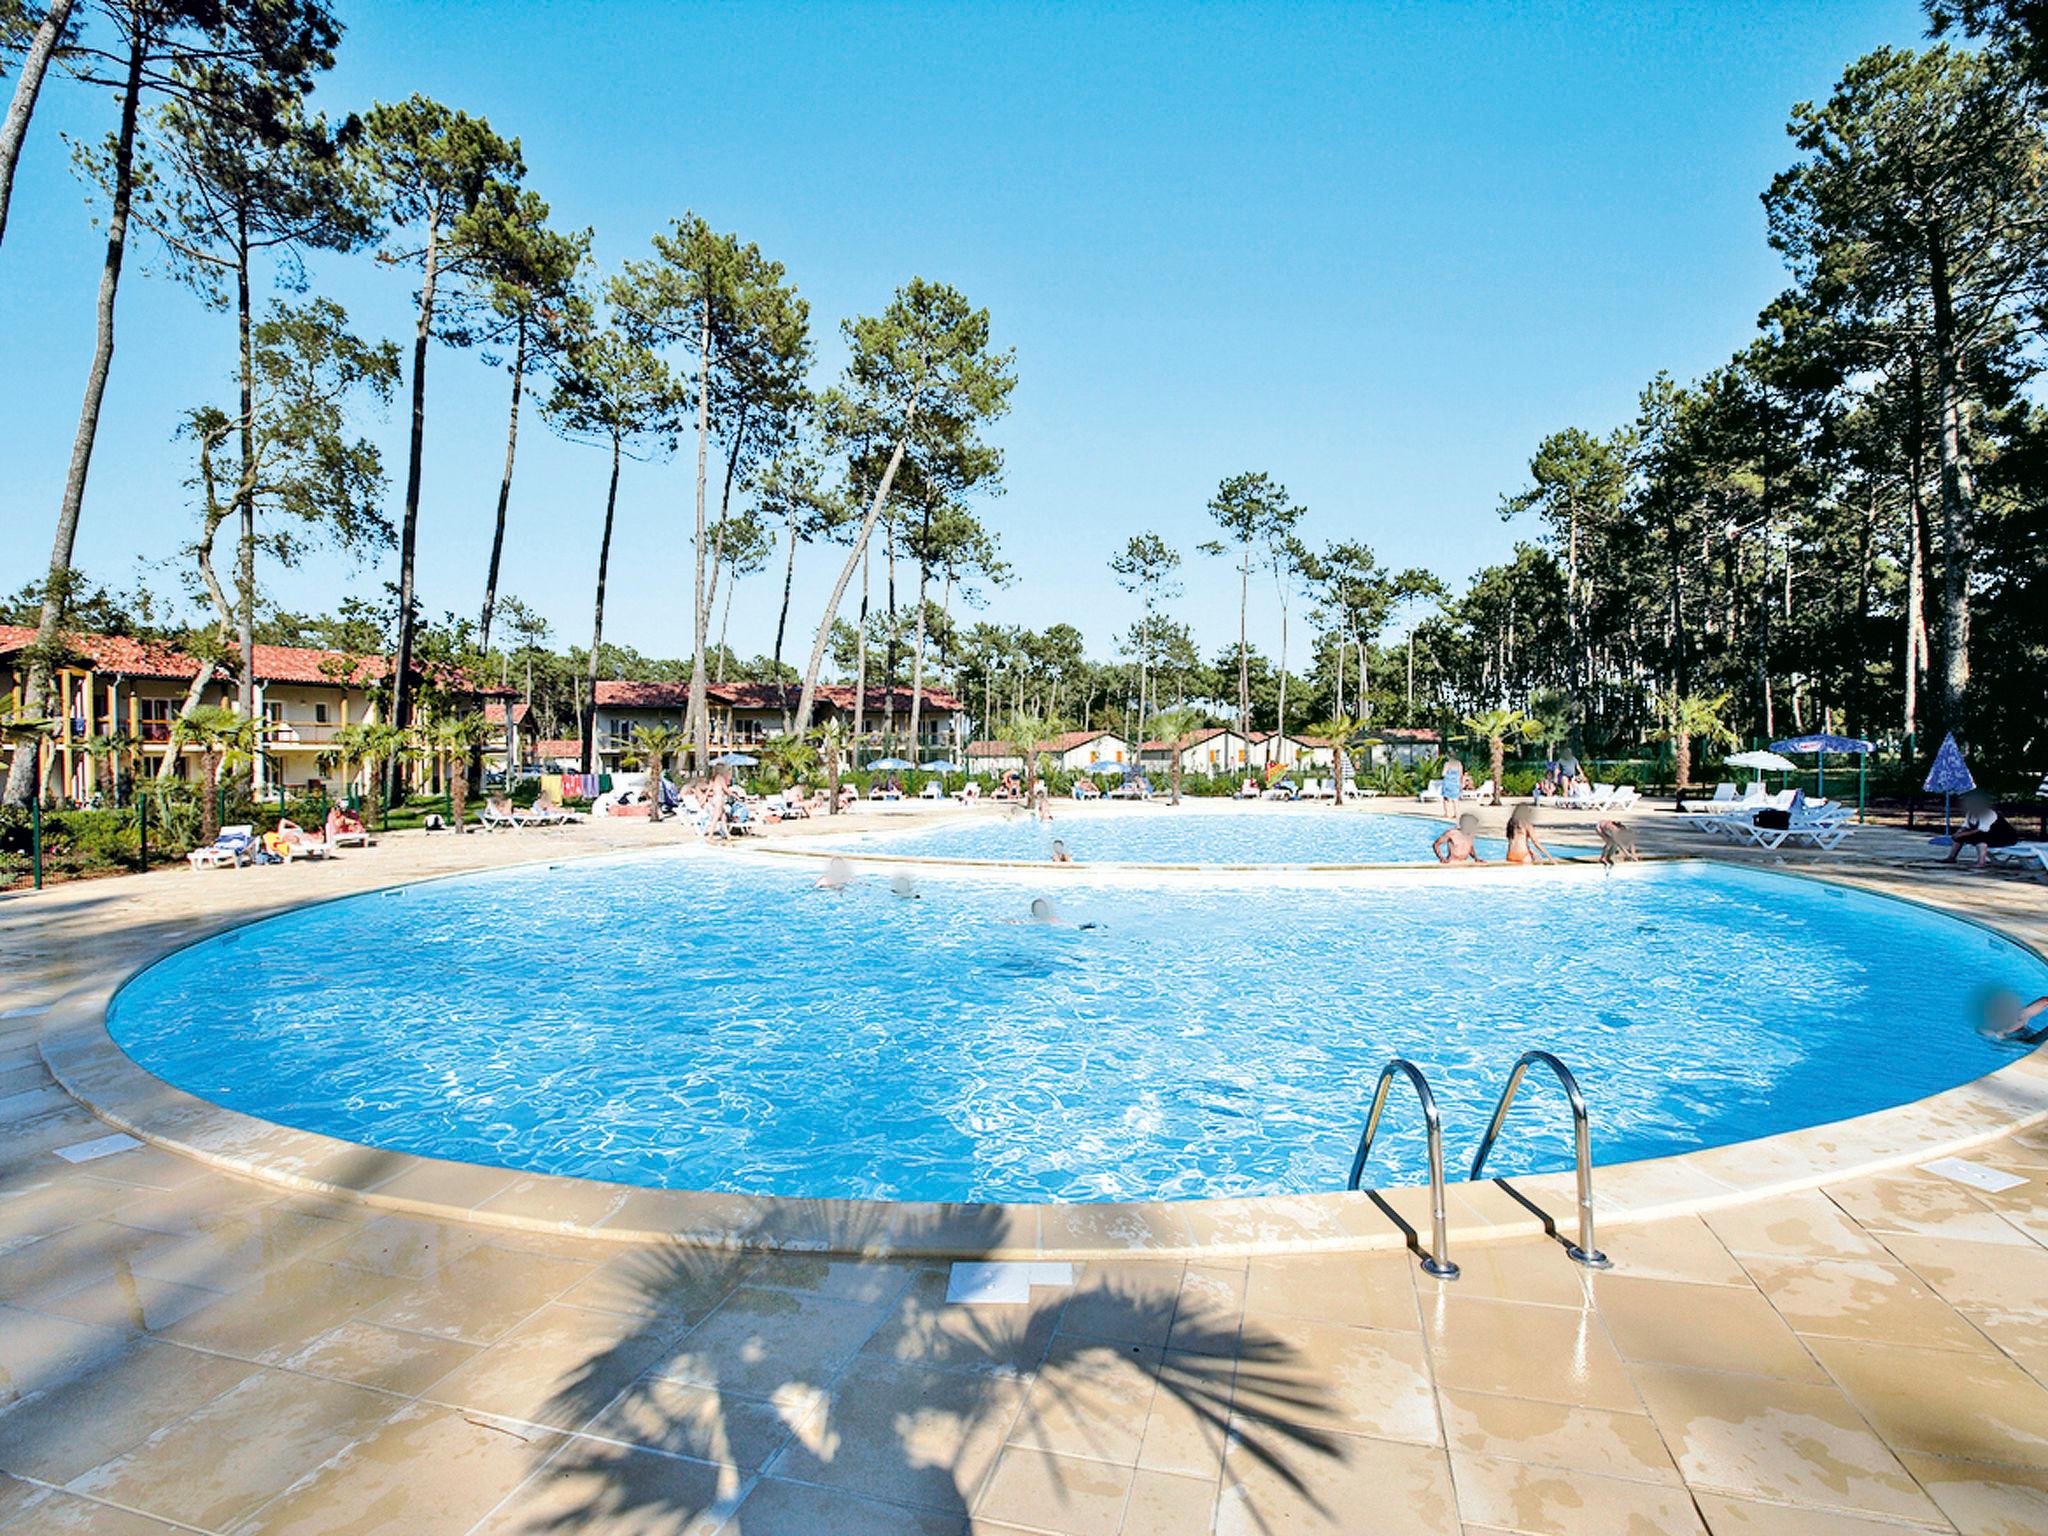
(142, 829)
(35, 828)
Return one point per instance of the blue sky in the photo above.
(1378, 251)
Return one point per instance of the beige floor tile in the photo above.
(777, 1508)
(1189, 1416)
(1787, 1441)
(53, 1512)
(282, 1310)
(1534, 1270)
(904, 1435)
(1090, 1398)
(1130, 1302)
(841, 1279)
(684, 1283)
(384, 1358)
(217, 1464)
(1595, 1440)
(122, 1401)
(1678, 1248)
(1551, 1354)
(1806, 1225)
(1209, 1309)
(2000, 1279)
(923, 1328)
(1923, 1203)
(760, 1342)
(1162, 1504)
(427, 1472)
(1554, 1501)
(560, 1367)
(1065, 1494)
(596, 1489)
(1977, 1407)
(1331, 1487)
(479, 1297)
(1984, 1500)
(40, 1352)
(69, 1260)
(401, 1245)
(132, 1302)
(701, 1422)
(1363, 1381)
(1862, 1299)
(1715, 1327)
(1360, 1290)
(1727, 1516)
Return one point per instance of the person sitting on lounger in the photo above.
(1983, 828)
(849, 797)
(1454, 844)
(1523, 846)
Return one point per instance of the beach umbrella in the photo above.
(734, 760)
(1820, 744)
(893, 764)
(1761, 761)
(1949, 775)
(943, 765)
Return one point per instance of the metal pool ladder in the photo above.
(1584, 1249)
(1438, 1260)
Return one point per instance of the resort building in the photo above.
(1405, 746)
(1271, 748)
(747, 714)
(1218, 749)
(1070, 751)
(113, 685)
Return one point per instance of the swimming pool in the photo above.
(1194, 832)
(695, 1020)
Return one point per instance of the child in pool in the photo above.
(1523, 845)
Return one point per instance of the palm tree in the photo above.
(110, 752)
(1339, 731)
(829, 741)
(1029, 735)
(652, 747)
(460, 737)
(1174, 726)
(790, 756)
(224, 738)
(1690, 717)
(1494, 728)
(368, 744)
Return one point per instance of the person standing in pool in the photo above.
(1454, 845)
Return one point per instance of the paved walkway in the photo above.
(182, 1350)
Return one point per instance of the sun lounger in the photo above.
(231, 846)
(496, 820)
(339, 836)
(933, 790)
(299, 843)
(2023, 854)
(1433, 790)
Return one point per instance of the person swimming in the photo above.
(904, 886)
(838, 873)
(1455, 845)
(1044, 911)
(1059, 852)
(2007, 1018)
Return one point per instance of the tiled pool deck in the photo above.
(185, 1349)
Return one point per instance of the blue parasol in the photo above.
(943, 765)
(893, 764)
(1949, 775)
(734, 760)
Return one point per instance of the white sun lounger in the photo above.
(2023, 854)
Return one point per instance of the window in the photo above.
(273, 711)
(319, 714)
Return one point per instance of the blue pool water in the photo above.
(699, 1020)
(1215, 833)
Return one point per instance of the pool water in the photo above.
(1191, 833)
(712, 1021)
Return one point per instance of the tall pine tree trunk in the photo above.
(1955, 507)
(782, 622)
(917, 661)
(698, 719)
(860, 546)
(504, 489)
(408, 535)
(245, 501)
(14, 128)
(604, 560)
(57, 589)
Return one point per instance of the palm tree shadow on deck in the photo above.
(914, 1411)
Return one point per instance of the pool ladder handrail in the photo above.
(1585, 1251)
(1437, 1261)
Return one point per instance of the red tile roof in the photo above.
(1192, 739)
(1408, 733)
(274, 663)
(494, 712)
(555, 748)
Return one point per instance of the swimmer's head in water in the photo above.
(837, 873)
(904, 886)
(1998, 1012)
(1043, 911)
(1468, 824)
